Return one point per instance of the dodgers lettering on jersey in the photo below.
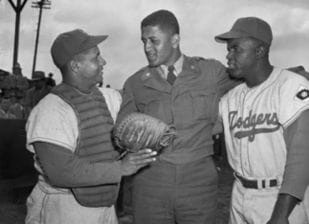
(254, 120)
(253, 124)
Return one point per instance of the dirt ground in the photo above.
(13, 210)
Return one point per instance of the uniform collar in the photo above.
(153, 77)
(177, 65)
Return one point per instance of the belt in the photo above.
(254, 184)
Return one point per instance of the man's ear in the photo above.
(74, 65)
(175, 40)
(261, 51)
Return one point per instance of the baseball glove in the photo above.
(138, 131)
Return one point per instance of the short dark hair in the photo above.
(165, 19)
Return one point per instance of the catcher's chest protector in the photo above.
(94, 143)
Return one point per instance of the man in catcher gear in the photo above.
(69, 131)
(266, 126)
(182, 91)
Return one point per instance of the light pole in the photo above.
(17, 8)
(43, 4)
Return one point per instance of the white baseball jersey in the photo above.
(254, 119)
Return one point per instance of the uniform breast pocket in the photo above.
(152, 106)
(159, 108)
(204, 105)
(148, 106)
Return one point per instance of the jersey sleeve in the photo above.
(64, 169)
(293, 98)
(296, 178)
(113, 100)
(52, 121)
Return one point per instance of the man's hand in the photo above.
(283, 208)
(132, 162)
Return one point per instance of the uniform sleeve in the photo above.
(128, 102)
(218, 127)
(64, 169)
(52, 121)
(113, 100)
(52, 134)
(296, 178)
(293, 98)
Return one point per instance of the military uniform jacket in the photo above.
(190, 105)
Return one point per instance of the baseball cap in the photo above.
(70, 43)
(248, 27)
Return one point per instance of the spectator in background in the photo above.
(15, 107)
(39, 89)
(10, 108)
(4, 109)
(50, 81)
(17, 69)
(12, 90)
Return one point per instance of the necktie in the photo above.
(171, 77)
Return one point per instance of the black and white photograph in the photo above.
(154, 112)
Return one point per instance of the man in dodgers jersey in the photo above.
(266, 125)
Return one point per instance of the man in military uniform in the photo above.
(181, 186)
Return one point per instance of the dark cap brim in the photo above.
(230, 35)
(91, 42)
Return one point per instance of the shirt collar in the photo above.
(177, 65)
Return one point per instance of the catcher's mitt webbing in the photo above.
(138, 131)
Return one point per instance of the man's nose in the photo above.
(102, 61)
(147, 46)
(228, 55)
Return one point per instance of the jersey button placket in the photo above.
(246, 142)
(244, 113)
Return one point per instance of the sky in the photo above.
(200, 21)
